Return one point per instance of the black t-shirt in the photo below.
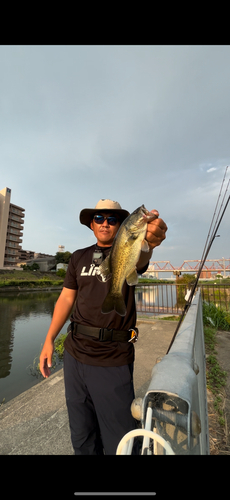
(91, 292)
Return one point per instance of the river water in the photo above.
(25, 319)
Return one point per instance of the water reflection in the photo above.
(25, 319)
(157, 298)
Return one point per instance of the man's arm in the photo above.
(61, 313)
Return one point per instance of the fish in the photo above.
(120, 264)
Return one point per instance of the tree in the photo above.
(63, 257)
(33, 267)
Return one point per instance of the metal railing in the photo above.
(218, 294)
(173, 412)
(168, 298)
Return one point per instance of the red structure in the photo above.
(221, 266)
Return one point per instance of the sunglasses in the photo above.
(99, 219)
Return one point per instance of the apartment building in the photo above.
(11, 229)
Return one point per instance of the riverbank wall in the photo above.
(4, 289)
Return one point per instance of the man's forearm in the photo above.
(61, 313)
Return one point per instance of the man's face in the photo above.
(105, 233)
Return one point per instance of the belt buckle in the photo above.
(103, 332)
(134, 335)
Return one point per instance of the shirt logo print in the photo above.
(92, 271)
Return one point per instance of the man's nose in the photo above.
(105, 223)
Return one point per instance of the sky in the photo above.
(139, 124)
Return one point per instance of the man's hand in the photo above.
(61, 313)
(155, 234)
(46, 358)
(156, 230)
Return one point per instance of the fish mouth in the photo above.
(148, 216)
(144, 211)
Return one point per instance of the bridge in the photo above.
(191, 266)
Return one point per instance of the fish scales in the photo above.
(124, 255)
(124, 262)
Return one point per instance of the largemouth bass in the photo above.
(124, 255)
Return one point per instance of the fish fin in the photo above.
(132, 278)
(104, 270)
(144, 246)
(112, 302)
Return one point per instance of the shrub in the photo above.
(61, 273)
(215, 316)
(59, 344)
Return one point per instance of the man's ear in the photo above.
(91, 225)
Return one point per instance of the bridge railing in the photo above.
(173, 413)
(160, 298)
(169, 298)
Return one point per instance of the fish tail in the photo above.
(112, 302)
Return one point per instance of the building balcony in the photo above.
(21, 215)
(16, 218)
(17, 210)
(15, 225)
(13, 244)
(13, 237)
(8, 254)
(10, 260)
(14, 231)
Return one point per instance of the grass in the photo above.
(216, 377)
(29, 279)
(214, 318)
(169, 318)
(59, 345)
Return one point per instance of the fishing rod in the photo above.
(204, 256)
(218, 199)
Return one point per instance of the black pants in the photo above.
(98, 401)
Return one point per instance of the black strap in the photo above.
(102, 334)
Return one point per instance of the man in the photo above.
(98, 357)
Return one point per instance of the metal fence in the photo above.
(218, 294)
(173, 413)
(168, 298)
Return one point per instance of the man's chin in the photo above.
(105, 241)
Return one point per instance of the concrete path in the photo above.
(36, 421)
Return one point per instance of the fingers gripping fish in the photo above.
(124, 255)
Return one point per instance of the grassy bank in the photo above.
(214, 319)
(216, 377)
(29, 279)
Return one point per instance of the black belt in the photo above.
(105, 334)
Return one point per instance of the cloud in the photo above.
(212, 169)
(140, 124)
